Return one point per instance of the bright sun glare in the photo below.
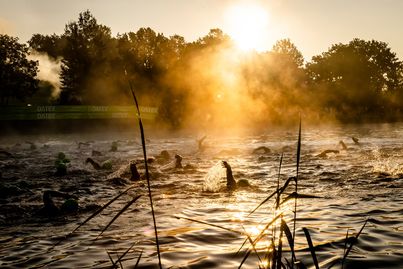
(248, 26)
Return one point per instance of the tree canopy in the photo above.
(17, 73)
(209, 81)
(357, 78)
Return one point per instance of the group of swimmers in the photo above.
(71, 205)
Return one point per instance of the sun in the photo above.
(247, 25)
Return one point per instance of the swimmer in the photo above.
(163, 157)
(93, 163)
(49, 208)
(261, 150)
(178, 161)
(135, 175)
(96, 153)
(231, 183)
(325, 152)
(200, 145)
(341, 143)
(85, 144)
(107, 165)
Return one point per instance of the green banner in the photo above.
(74, 112)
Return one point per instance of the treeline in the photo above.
(207, 82)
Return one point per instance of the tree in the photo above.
(52, 45)
(285, 48)
(17, 73)
(356, 78)
(86, 60)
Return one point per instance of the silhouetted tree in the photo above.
(215, 39)
(355, 79)
(278, 79)
(285, 48)
(86, 56)
(17, 73)
(52, 45)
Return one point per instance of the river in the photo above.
(361, 182)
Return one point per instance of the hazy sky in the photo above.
(313, 25)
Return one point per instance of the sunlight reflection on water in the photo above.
(363, 181)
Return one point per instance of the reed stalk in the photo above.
(143, 143)
(296, 184)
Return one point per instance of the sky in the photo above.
(312, 25)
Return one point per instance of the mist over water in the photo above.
(364, 181)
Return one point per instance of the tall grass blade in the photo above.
(280, 191)
(352, 243)
(298, 149)
(111, 259)
(296, 179)
(213, 225)
(273, 255)
(345, 244)
(311, 247)
(280, 247)
(123, 255)
(257, 239)
(244, 258)
(297, 195)
(290, 239)
(138, 260)
(93, 215)
(102, 208)
(248, 238)
(278, 181)
(119, 213)
(143, 143)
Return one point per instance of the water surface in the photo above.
(364, 181)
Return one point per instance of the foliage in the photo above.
(357, 78)
(85, 56)
(52, 45)
(17, 73)
(358, 81)
(287, 49)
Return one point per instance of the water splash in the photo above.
(213, 178)
(385, 163)
(123, 169)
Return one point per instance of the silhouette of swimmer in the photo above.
(200, 145)
(178, 161)
(343, 145)
(164, 155)
(261, 150)
(96, 153)
(49, 208)
(93, 163)
(325, 152)
(105, 165)
(355, 139)
(85, 144)
(231, 183)
(135, 175)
